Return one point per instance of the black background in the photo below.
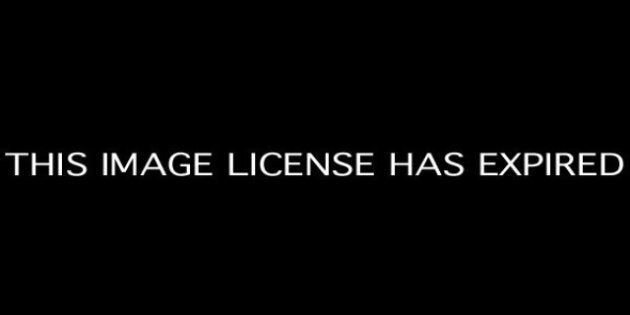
(401, 80)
